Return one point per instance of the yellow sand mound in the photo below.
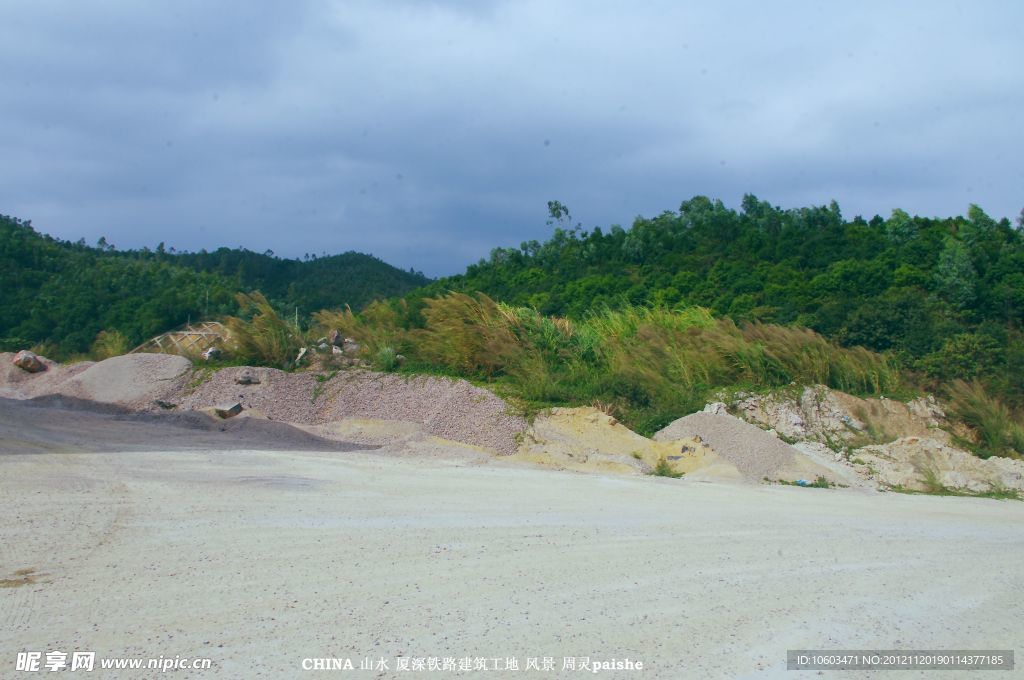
(587, 439)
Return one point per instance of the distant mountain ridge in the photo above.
(63, 294)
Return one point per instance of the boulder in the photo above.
(228, 411)
(335, 337)
(350, 346)
(925, 464)
(247, 377)
(28, 361)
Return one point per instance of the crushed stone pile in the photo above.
(450, 409)
(755, 453)
(278, 395)
(132, 380)
(447, 408)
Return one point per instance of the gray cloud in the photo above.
(427, 133)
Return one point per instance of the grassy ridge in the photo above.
(647, 365)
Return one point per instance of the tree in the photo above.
(955, 277)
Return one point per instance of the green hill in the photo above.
(63, 294)
(945, 296)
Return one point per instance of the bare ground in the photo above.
(259, 559)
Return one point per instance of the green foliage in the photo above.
(351, 278)
(386, 360)
(943, 295)
(63, 294)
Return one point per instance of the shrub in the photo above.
(998, 432)
(109, 344)
(386, 359)
(663, 469)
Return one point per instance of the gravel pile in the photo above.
(132, 380)
(755, 453)
(280, 396)
(452, 409)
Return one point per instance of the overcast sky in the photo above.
(427, 133)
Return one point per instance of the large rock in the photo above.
(247, 376)
(228, 410)
(925, 464)
(834, 418)
(28, 361)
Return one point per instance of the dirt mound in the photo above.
(586, 439)
(922, 464)
(758, 455)
(446, 408)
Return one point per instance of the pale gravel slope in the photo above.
(757, 454)
(261, 559)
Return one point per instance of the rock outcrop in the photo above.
(835, 418)
(924, 464)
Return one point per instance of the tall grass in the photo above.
(260, 335)
(649, 364)
(998, 430)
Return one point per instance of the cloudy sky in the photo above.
(427, 133)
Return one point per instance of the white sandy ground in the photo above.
(260, 559)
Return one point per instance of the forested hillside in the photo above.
(63, 294)
(945, 296)
(312, 284)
